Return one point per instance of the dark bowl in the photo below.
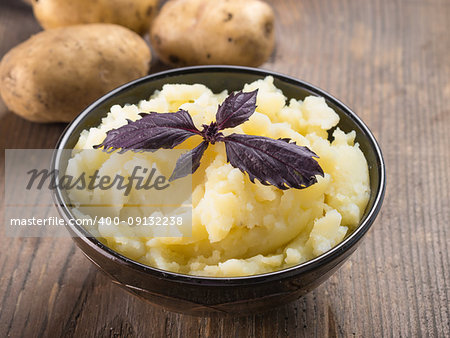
(206, 295)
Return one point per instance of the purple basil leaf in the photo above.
(277, 162)
(153, 131)
(236, 109)
(189, 162)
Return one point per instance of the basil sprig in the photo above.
(278, 162)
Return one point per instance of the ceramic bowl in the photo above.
(206, 295)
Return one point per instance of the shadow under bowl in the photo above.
(206, 295)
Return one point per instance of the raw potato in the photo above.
(134, 14)
(194, 32)
(55, 74)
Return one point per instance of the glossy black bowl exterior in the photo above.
(204, 295)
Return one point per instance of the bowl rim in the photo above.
(294, 270)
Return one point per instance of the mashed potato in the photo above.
(238, 227)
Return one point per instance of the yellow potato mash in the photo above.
(239, 227)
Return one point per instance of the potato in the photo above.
(193, 32)
(56, 73)
(134, 14)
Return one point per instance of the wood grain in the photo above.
(389, 61)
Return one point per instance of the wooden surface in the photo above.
(389, 61)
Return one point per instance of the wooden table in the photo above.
(389, 61)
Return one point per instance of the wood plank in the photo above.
(388, 60)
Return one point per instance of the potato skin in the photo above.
(55, 74)
(194, 32)
(136, 15)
